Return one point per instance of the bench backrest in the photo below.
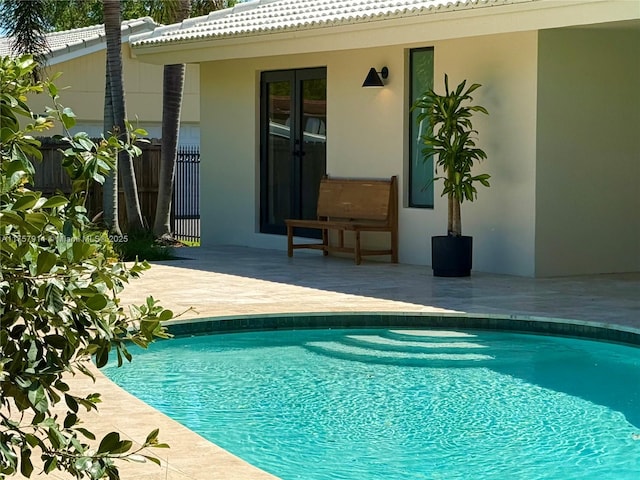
(358, 199)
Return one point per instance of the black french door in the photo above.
(293, 121)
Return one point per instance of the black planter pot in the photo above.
(451, 256)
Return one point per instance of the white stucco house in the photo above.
(282, 102)
(80, 55)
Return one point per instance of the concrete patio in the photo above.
(236, 281)
(240, 281)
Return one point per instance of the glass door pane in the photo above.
(293, 146)
(314, 143)
(279, 159)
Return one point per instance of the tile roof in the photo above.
(269, 16)
(83, 40)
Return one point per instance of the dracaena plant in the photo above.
(450, 138)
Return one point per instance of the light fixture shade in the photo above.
(373, 79)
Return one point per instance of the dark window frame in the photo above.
(296, 77)
(420, 193)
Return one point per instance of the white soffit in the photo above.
(267, 27)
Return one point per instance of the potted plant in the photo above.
(449, 138)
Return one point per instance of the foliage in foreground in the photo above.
(59, 306)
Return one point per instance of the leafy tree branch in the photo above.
(59, 285)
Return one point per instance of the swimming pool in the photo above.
(396, 404)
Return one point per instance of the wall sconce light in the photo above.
(374, 79)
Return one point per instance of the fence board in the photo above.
(50, 177)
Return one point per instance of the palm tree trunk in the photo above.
(172, 91)
(171, 108)
(110, 186)
(112, 21)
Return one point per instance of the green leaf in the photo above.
(140, 342)
(85, 142)
(59, 384)
(153, 459)
(152, 437)
(59, 342)
(38, 399)
(32, 440)
(97, 302)
(50, 464)
(86, 433)
(70, 420)
(25, 202)
(135, 457)
(71, 403)
(53, 90)
(109, 443)
(56, 439)
(12, 218)
(26, 467)
(56, 201)
(51, 322)
(23, 382)
(80, 251)
(85, 292)
(68, 118)
(35, 222)
(46, 261)
(83, 464)
(122, 447)
(102, 356)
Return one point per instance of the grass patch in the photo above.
(190, 243)
(143, 246)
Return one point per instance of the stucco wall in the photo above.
(501, 220)
(366, 132)
(82, 83)
(588, 199)
(229, 146)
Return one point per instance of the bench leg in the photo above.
(357, 248)
(289, 241)
(394, 246)
(325, 242)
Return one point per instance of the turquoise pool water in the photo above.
(402, 404)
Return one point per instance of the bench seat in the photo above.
(353, 205)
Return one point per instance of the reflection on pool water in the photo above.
(402, 404)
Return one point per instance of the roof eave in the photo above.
(98, 42)
(443, 25)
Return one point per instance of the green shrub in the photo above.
(59, 286)
(141, 245)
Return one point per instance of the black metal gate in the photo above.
(185, 211)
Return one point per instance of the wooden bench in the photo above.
(353, 205)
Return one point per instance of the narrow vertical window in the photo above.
(420, 171)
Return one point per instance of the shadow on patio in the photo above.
(229, 280)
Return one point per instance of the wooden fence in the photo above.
(51, 177)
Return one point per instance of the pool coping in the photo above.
(375, 319)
